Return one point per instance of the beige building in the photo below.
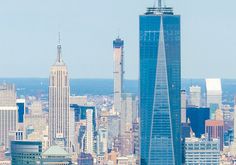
(8, 112)
(59, 92)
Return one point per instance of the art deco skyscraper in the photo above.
(59, 92)
(160, 82)
(118, 46)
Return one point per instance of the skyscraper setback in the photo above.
(59, 92)
(118, 46)
(160, 87)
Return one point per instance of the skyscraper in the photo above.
(160, 82)
(8, 112)
(183, 106)
(214, 92)
(195, 96)
(118, 46)
(215, 129)
(59, 92)
(26, 152)
(202, 151)
(89, 131)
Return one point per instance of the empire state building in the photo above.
(59, 92)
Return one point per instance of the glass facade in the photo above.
(26, 152)
(160, 81)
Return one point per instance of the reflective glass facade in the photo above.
(160, 81)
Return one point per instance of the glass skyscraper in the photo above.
(160, 83)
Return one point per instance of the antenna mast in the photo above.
(159, 4)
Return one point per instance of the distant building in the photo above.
(113, 127)
(233, 145)
(129, 112)
(195, 96)
(56, 155)
(118, 46)
(202, 151)
(26, 152)
(126, 146)
(214, 92)
(89, 147)
(59, 108)
(215, 129)
(80, 112)
(183, 106)
(21, 110)
(102, 141)
(85, 159)
(197, 118)
(8, 112)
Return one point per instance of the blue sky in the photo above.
(29, 35)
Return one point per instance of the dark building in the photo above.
(21, 110)
(159, 86)
(26, 152)
(197, 117)
(80, 113)
(85, 159)
(215, 129)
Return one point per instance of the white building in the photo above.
(202, 151)
(129, 112)
(89, 132)
(195, 96)
(183, 106)
(118, 46)
(8, 112)
(214, 92)
(102, 141)
(59, 92)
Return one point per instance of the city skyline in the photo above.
(32, 33)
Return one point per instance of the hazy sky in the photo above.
(29, 35)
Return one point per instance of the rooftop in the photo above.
(55, 151)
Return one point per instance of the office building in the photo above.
(59, 92)
(129, 112)
(214, 92)
(197, 118)
(102, 141)
(8, 112)
(56, 155)
(202, 151)
(118, 46)
(89, 132)
(113, 130)
(160, 81)
(21, 109)
(183, 106)
(195, 96)
(215, 129)
(80, 112)
(26, 152)
(233, 145)
(85, 159)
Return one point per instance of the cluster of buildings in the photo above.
(164, 125)
(70, 129)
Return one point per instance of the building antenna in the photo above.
(159, 4)
(59, 38)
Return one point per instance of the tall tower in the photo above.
(89, 131)
(59, 92)
(8, 112)
(160, 82)
(118, 46)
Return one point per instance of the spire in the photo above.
(159, 4)
(59, 48)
